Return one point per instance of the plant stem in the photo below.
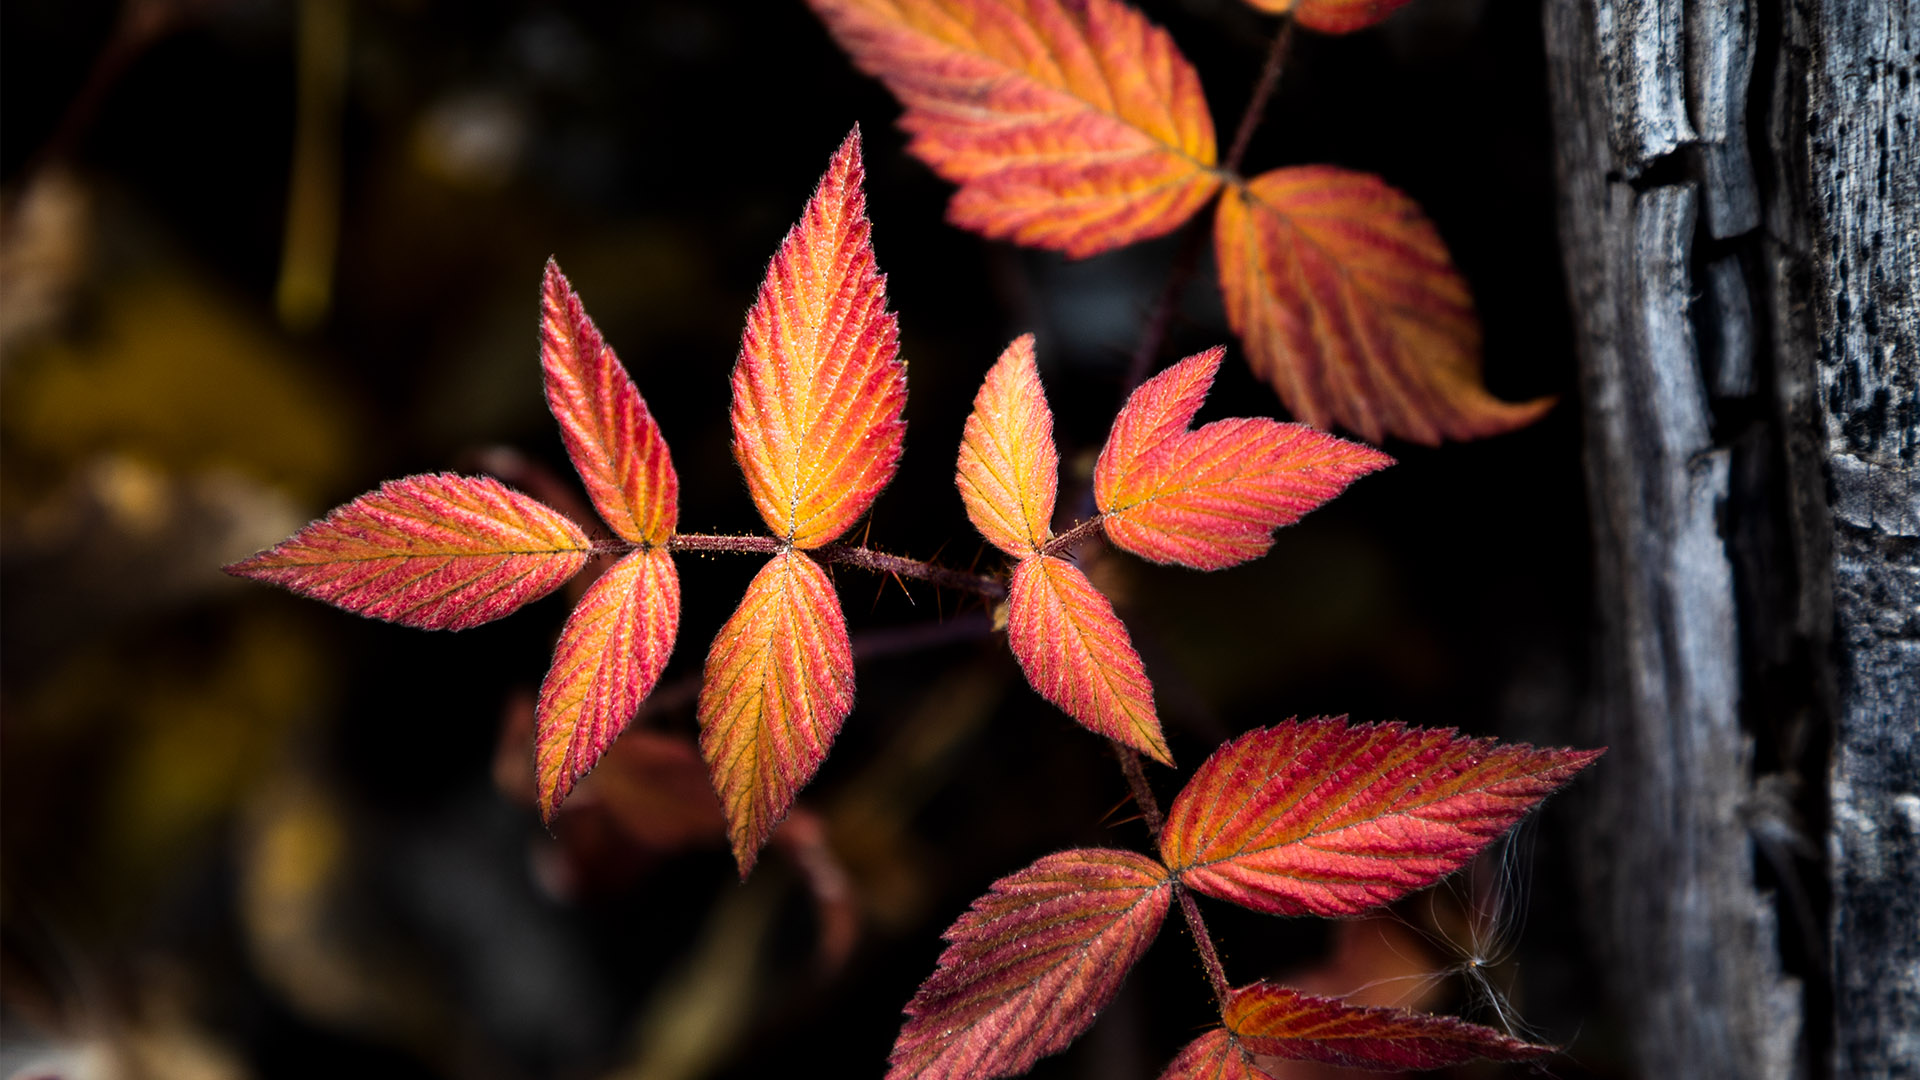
(1143, 797)
(1064, 543)
(1262, 93)
(879, 562)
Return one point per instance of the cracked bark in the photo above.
(1740, 213)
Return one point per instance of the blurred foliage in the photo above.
(258, 255)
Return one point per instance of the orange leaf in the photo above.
(1009, 469)
(1318, 818)
(1213, 1056)
(1031, 964)
(1276, 1022)
(609, 658)
(1349, 305)
(1076, 652)
(436, 551)
(1073, 125)
(778, 683)
(1211, 498)
(819, 388)
(1333, 16)
(611, 437)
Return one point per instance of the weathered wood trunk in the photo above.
(1740, 186)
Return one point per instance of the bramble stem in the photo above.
(1064, 543)
(879, 562)
(1143, 797)
(1262, 93)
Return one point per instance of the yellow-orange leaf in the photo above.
(1210, 498)
(779, 681)
(611, 437)
(1350, 306)
(1074, 125)
(1333, 16)
(1009, 470)
(819, 388)
(609, 658)
(1077, 653)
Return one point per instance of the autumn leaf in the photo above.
(1009, 471)
(1032, 963)
(779, 680)
(609, 657)
(1318, 817)
(1076, 653)
(611, 437)
(1276, 1022)
(1072, 125)
(1211, 497)
(436, 551)
(1213, 1056)
(819, 388)
(1350, 306)
(1333, 16)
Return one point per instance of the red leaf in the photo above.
(1009, 470)
(1213, 1056)
(609, 657)
(611, 437)
(819, 388)
(1211, 498)
(1349, 305)
(1076, 653)
(1275, 1022)
(1333, 16)
(1320, 818)
(437, 551)
(1031, 965)
(779, 681)
(1075, 126)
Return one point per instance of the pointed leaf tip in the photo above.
(1075, 126)
(1350, 306)
(612, 438)
(1210, 498)
(1317, 817)
(436, 551)
(778, 683)
(1276, 1022)
(1076, 652)
(1009, 470)
(819, 390)
(607, 661)
(1031, 964)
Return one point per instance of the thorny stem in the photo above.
(1064, 543)
(851, 555)
(1143, 797)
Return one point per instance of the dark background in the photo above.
(245, 834)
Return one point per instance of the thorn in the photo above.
(895, 575)
(1115, 808)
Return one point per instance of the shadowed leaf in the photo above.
(1009, 470)
(819, 388)
(1213, 1056)
(1317, 817)
(779, 681)
(1350, 306)
(1333, 16)
(609, 658)
(1031, 964)
(1211, 498)
(436, 551)
(611, 437)
(1275, 1022)
(1076, 653)
(1074, 125)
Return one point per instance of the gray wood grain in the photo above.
(1745, 280)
